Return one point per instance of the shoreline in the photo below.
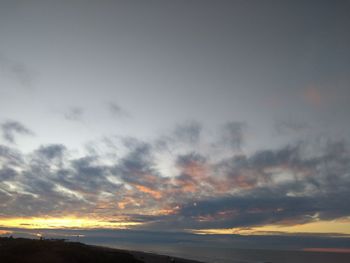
(18, 250)
(149, 257)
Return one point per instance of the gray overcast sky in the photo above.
(176, 115)
(166, 62)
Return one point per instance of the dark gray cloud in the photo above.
(138, 160)
(315, 190)
(233, 135)
(7, 173)
(188, 132)
(50, 182)
(189, 159)
(137, 168)
(11, 128)
(51, 151)
(10, 156)
(90, 174)
(264, 206)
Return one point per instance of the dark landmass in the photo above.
(22, 250)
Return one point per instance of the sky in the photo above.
(204, 118)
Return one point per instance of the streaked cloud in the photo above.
(12, 128)
(293, 185)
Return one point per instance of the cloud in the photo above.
(188, 132)
(7, 173)
(287, 188)
(51, 151)
(74, 114)
(137, 170)
(262, 207)
(22, 73)
(294, 184)
(117, 111)
(11, 128)
(10, 156)
(193, 172)
(186, 135)
(232, 135)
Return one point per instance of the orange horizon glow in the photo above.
(65, 223)
(5, 232)
(341, 227)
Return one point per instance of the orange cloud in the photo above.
(122, 204)
(169, 211)
(194, 175)
(245, 181)
(195, 169)
(128, 202)
(147, 190)
(187, 185)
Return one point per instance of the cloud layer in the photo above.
(178, 181)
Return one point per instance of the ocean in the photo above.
(235, 255)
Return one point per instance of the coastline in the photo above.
(150, 257)
(24, 250)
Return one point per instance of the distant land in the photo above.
(22, 250)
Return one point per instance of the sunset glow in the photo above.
(5, 232)
(320, 227)
(219, 124)
(64, 223)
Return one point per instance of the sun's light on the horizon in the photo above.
(65, 223)
(5, 232)
(341, 227)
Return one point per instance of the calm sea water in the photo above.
(233, 255)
